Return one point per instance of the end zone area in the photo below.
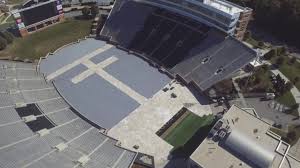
(185, 128)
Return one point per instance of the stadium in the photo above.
(100, 102)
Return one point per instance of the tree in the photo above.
(293, 60)
(260, 44)
(272, 53)
(3, 43)
(264, 68)
(7, 36)
(94, 10)
(86, 12)
(279, 85)
(247, 35)
(291, 135)
(279, 61)
(282, 50)
(296, 80)
(295, 106)
(288, 86)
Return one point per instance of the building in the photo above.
(33, 16)
(242, 139)
(221, 14)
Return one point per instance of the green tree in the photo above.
(7, 36)
(293, 60)
(279, 85)
(261, 44)
(282, 50)
(279, 61)
(272, 53)
(288, 86)
(94, 10)
(3, 43)
(86, 12)
(295, 106)
(292, 135)
(296, 80)
(247, 35)
(265, 68)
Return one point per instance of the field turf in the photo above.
(187, 128)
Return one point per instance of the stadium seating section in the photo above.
(38, 129)
(184, 46)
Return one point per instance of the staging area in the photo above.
(104, 84)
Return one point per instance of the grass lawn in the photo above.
(10, 19)
(187, 128)
(48, 40)
(287, 99)
(248, 84)
(291, 140)
(290, 71)
(254, 42)
(6, 25)
(15, 1)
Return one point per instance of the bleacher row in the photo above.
(163, 36)
(189, 49)
(70, 141)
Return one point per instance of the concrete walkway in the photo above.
(77, 62)
(242, 99)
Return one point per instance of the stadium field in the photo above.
(48, 40)
(187, 128)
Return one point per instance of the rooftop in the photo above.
(224, 6)
(252, 131)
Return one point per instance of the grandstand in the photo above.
(38, 128)
(187, 48)
(72, 108)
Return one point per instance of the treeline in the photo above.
(280, 17)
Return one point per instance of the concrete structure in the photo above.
(120, 92)
(241, 139)
(221, 14)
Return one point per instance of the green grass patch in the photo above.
(48, 40)
(10, 19)
(287, 99)
(291, 71)
(2, 17)
(187, 128)
(15, 1)
(6, 25)
(254, 42)
(292, 136)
